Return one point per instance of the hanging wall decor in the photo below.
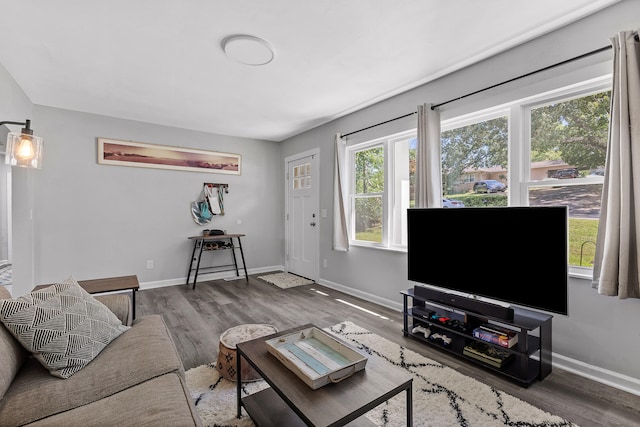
(139, 154)
(210, 202)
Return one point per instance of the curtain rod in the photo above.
(433, 107)
(584, 55)
(378, 124)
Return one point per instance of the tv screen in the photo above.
(516, 255)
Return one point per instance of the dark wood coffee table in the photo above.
(290, 402)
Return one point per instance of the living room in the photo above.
(75, 216)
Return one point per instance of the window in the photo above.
(543, 150)
(568, 140)
(381, 190)
(475, 158)
(561, 137)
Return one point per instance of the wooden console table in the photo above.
(110, 284)
(199, 246)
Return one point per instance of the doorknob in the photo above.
(313, 224)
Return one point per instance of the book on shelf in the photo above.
(494, 334)
(491, 355)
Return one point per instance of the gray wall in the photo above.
(599, 338)
(16, 107)
(93, 220)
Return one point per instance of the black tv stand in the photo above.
(525, 362)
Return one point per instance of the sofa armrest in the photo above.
(120, 305)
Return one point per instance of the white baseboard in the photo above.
(226, 275)
(363, 295)
(610, 378)
(604, 376)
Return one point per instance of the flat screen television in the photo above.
(516, 255)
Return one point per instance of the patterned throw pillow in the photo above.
(62, 325)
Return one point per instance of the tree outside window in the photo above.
(560, 145)
(368, 197)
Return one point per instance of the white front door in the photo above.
(302, 215)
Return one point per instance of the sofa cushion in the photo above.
(12, 354)
(145, 351)
(162, 401)
(62, 325)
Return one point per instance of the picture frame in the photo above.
(143, 155)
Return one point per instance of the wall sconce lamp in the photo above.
(23, 149)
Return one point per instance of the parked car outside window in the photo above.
(450, 203)
(566, 173)
(488, 186)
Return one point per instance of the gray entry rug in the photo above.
(441, 396)
(286, 280)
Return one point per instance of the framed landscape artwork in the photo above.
(142, 155)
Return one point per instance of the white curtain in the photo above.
(615, 270)
(340, 235)
(428, 170)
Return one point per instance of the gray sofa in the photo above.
(138, 379)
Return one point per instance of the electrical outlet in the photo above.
(324, 263)
(149, 264)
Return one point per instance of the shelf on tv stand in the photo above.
(531, 359)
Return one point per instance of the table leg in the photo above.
(244, 265)
(410, 404)
(405, 308)
(195, 277)
(233, 254)
(239, 382)
(193, 254)
(133, 302)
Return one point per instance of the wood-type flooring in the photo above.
(197, 318)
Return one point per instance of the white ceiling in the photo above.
(161, 61)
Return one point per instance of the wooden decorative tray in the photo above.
(316, 357)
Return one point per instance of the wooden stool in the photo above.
(227, 364)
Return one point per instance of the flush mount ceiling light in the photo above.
(248, 50)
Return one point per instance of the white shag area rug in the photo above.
(286, 280)
(441, 396)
